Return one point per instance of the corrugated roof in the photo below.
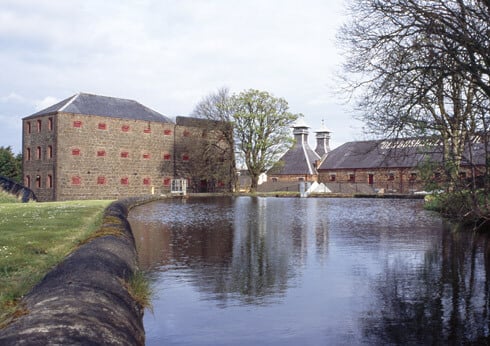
(403, 153)
(89, 104)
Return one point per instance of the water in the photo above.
(289, 271)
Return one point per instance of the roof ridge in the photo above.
(69, 102)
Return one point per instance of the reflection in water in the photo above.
(316, 271)
(443, 299)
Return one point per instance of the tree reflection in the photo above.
(443, 300)
(247, 250)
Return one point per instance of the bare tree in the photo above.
(414, 69)
(422, 68)
(217, 108)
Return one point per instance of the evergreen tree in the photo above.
(10, 164)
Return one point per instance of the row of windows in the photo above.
(39, 125)
(126, 154)
(99, 153)
(391, 177)
(127, 128)
(351, 177)
(36, 182)
(38, 153)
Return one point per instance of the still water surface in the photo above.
(290, 271)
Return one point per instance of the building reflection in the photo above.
(249, 255)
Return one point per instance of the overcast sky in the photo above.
(169, 54)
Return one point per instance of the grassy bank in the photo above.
(8, 198)
(34, 237)
(468, 209)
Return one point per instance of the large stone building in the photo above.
(401, 165)
(90, 146)
(398, 166)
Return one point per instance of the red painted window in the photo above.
(38, 181)
(147, 130)
(75, 152)
(125, 128)
(352, 177)
(391, 176)
(50, 151)
(77, 123)
(100, 153)
(185, 157)
(38, 153)
(28, 181)
(124, 154)
(167, 132)
(39, 125)
(146, 155)
(167, 156)
(102, 126)
(166, 181)
(76, 180)
(49, 181)
(124, 181)
(28, 124)
(28, 154)
(101, 180)
(146, 181)
(50, 124)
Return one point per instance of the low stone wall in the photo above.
(84, 300)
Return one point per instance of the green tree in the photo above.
(261, 126)
(262, 130)
(10, 164)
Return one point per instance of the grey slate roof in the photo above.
(89, 104)
(406, 153)
(298, 160)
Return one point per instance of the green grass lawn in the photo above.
(34, 237)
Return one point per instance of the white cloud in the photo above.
(46, 102)
(167, 54)
(11, 97)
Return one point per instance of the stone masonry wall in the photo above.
(39, 156)
(86, 300)
(401, 180)
(73, 156)
(111, 158)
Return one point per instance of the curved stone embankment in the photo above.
(17, 190)
(84, 300)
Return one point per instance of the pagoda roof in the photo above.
(299, 160)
